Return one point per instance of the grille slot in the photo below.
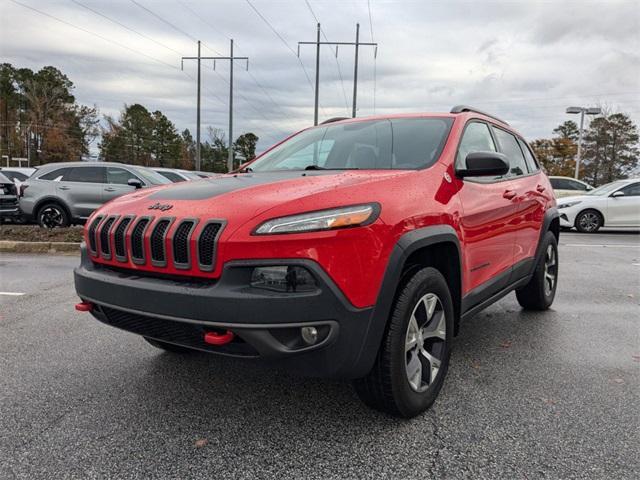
(119, 239)
(137, 240)
(158, 253)
(105, 245)
(92, 234)
(207, 245)
(181, 238)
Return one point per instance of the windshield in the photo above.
(402, 144)
(607, 188)
(190, 175)
(149, 176)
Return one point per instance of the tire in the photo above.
(393, 385)
(539, 293)
(53, 215)
(167, 347)
(589, 221)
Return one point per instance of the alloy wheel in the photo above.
(52, 217)
(425, 342)
(550, 270)
(589, 221)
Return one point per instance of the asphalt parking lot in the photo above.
(528, 395)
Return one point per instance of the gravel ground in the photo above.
(529, 395)
(33, 233)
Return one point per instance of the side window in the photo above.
(573, 185)
(119, 176)
(509, 146)
(476, 138)
(85, 175)
(55, 175)
(632, 190)
(528, 156)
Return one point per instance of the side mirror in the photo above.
(484, 164)
(134, 182)
(617, 194)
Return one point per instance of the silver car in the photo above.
(59, 194)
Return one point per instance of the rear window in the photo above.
(56, 175)
(400, 144)
(86, 175)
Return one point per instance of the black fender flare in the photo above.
(551, 214)
(407, 244)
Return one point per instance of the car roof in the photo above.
(51, 166)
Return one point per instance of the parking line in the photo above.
(12, 294)
(613, 245)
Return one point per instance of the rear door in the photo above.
(532, 197)
(488, 220)
(117, 183)
(624, 211)
(81, 189)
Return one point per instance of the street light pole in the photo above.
(582, 111)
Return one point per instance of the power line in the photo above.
(286, 44)
(344, 92)
(124, 26)
(95, 34)
(178, 29)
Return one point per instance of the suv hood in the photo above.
(241, 197)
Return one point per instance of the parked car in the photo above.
(60, 194)
(353, 249)
(9, 208)
(17, 174)
(565, 186)
(615, 204)
(176, 175)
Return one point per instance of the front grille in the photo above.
(157, 241)
(119, 238)
(105, 245)
(206, 245)
(92, 234)
(137, 240)
(128, 238)
(181, 243)
(181, 333)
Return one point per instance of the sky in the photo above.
(523, 61)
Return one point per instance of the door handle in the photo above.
(64, 188)
(540, 188)
(109, 189)
(509, 194)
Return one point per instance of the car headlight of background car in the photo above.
(569, 204)
(353, 216)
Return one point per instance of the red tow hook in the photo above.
(214, 338)
(84, 306)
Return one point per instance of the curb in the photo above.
(65, 248)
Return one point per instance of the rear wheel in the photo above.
(414, 356)
(169, 347)
(53, 215)
(589, 221)
(539, 293)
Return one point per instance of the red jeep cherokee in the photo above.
(352, 249)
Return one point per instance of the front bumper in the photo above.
(266, 323)
(567, 220)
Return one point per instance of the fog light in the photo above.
(281, 278)
(309, 335)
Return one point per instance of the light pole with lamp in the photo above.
(582, 111)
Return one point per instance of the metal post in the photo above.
(355, 72)
(579, 155)
(317, 92)
(198, 163)
(230, 161)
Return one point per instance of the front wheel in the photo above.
(589, 221)
(414, 356)
(539, 293)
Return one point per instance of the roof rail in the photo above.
(334, 119)
(467, 108)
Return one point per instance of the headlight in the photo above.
(356, 215)
(569, 204)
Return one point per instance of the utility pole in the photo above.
(231, 58)
(357, 44)
(581, 111)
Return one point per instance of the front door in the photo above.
(624, 211)
(488, 220)
(117, 183)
